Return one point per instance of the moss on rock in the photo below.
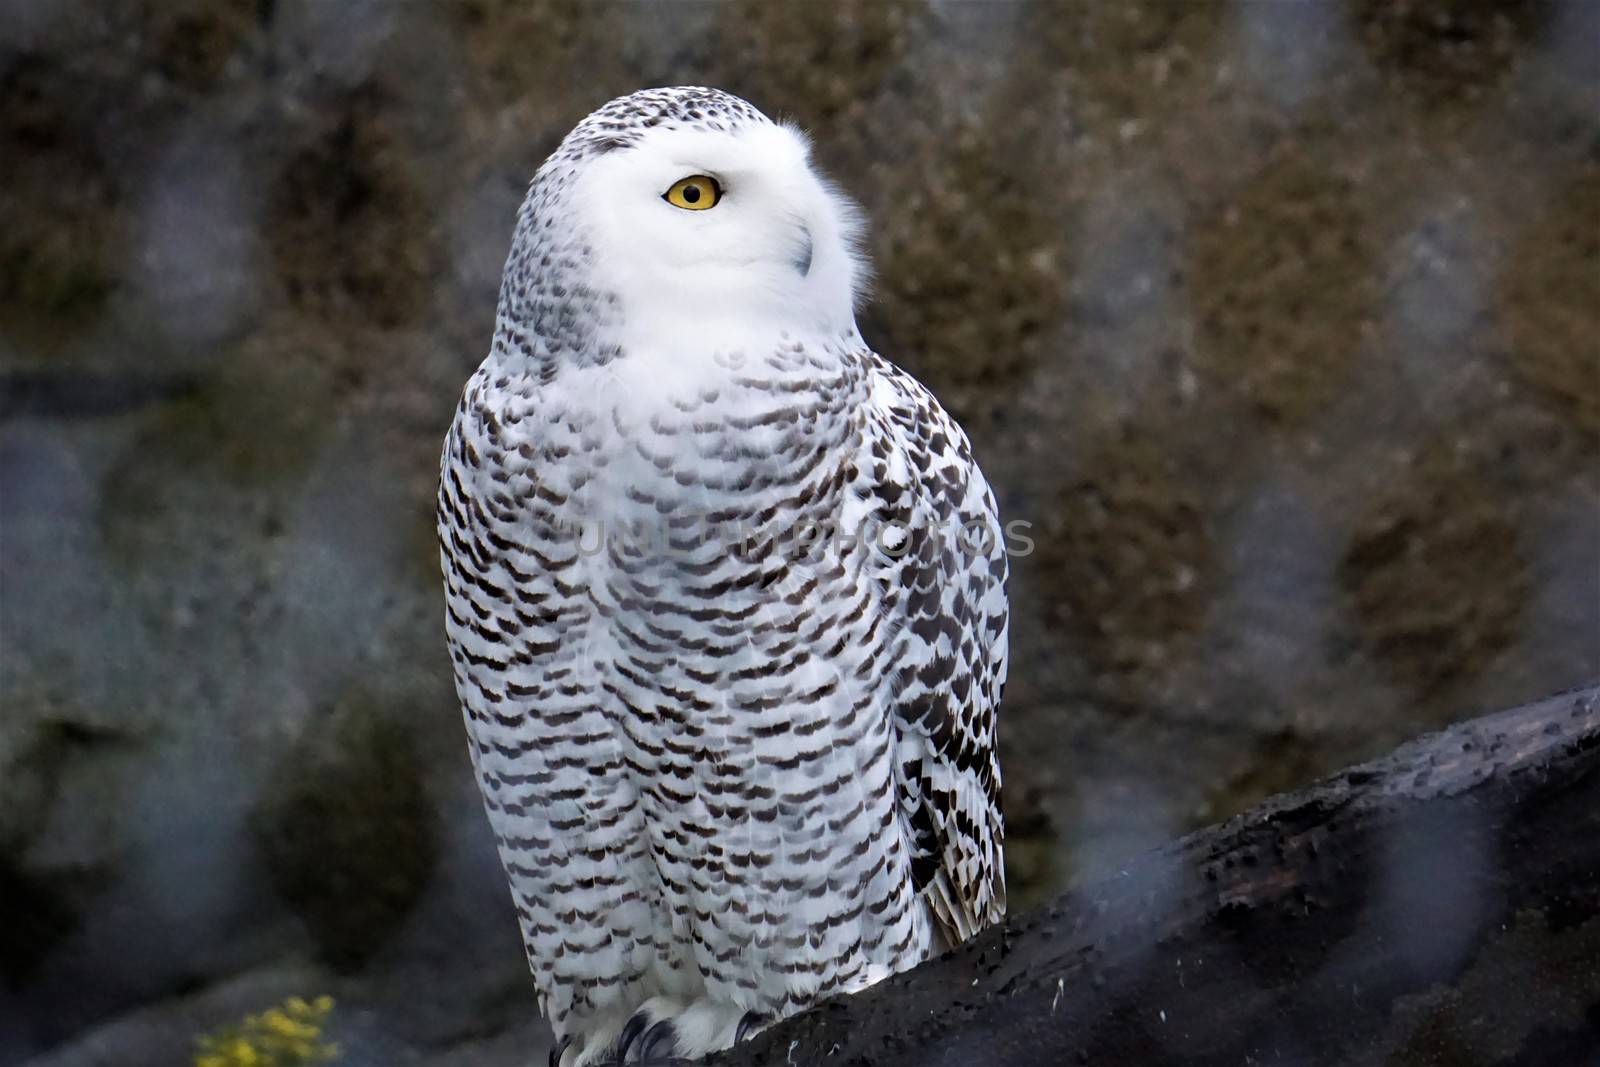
(1269, 269)
(1130, 559)
(1447, 51)
(350, 233)
(1550, 303)
(1434, 576)
(65, 227)
(348, 831)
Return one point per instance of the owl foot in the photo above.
(663, 1029)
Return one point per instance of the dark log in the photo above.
(1438, 906)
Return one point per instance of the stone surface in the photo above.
(1277, 322)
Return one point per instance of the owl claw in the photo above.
(646, 1038)
(559, 1048)
(752, 1023)
(631, 1035)
(661, 1041)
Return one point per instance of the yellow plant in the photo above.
(289, 1035)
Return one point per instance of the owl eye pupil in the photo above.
(697, 192)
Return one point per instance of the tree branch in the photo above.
(1438, 906)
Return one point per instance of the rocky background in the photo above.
(1280, 322)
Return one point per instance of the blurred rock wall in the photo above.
(1278, 322)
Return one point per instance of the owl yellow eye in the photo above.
(694, 193)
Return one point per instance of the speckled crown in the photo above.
(623, 121)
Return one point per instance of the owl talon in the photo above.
(660, 1042)
(752, 1023)
(631, 1035)
(559, 1048)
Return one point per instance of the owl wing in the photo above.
(945, 594)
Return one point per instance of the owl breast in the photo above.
(699, 650)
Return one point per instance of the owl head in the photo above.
(682, 207)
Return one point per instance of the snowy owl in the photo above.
(725, 596)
